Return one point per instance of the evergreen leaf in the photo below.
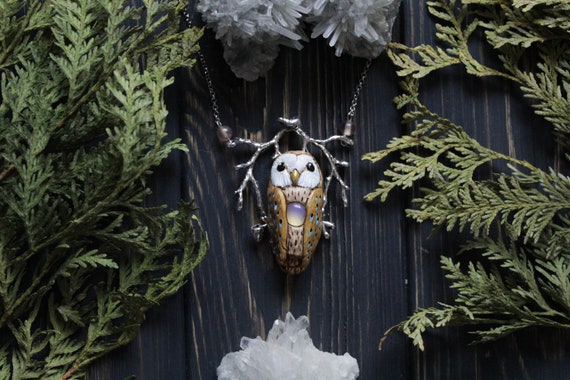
(82, 128)
(514, 273)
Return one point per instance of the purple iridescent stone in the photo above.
(296, 213)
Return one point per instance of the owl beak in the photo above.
(294, 176)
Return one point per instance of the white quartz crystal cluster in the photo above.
(360, 27)
(252, 31)
(288, 354)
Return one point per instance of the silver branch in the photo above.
(291, 125)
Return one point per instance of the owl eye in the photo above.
(281, 166)
(310, 167)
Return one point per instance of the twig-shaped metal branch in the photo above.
(249, 177)
(333, 162)
(291, 125)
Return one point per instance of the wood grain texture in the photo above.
(377, 267)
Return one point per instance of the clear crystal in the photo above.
(361, 28)
(288, 354)
(252, 31)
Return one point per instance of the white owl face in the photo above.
(295, 168)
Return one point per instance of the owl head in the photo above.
(296, 168)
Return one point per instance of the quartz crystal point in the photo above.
(361, 28)
(252, 31)
(287, 354)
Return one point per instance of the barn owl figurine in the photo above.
(295, 209)
(296, 195)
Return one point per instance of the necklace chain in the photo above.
(207, 76)
(214, 98)
(358, 89)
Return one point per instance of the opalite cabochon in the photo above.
(296, 213)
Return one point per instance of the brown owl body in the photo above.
(295, 209)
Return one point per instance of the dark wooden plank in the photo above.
(494, 112)
(376, 268)
(355, 287)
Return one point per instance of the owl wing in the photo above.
(277, 209)
(313, 221)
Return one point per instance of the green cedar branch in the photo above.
(515, 272)
(82, 127)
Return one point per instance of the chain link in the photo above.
(358, 89)
(214, 98)
(207, 76)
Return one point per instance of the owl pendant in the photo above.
(297, 193)
(295, 209)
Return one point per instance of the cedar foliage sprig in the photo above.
(517, 268)
(82, 126)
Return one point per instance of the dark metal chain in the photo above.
(214, 98)
(358, 89)
(206, 71)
